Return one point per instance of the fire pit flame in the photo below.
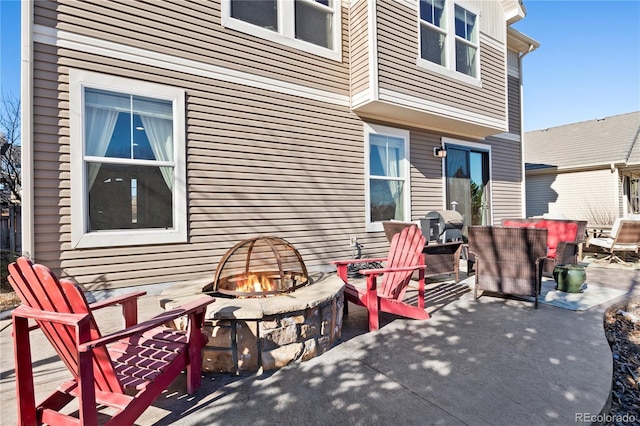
(259, 267)
(257, 283)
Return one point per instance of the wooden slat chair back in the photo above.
(139, 363)
(405, 251)
(38, 288)
(386, 287)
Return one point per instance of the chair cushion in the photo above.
(557, 232)
(520, 224)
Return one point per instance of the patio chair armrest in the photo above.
(189, 308)
(117, 300)
(23, 311)
(400, 269)
(354, 261)
(129, 303)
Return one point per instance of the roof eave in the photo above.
(521, 42)
(577, 167)
(514, 11)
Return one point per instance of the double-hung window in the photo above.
(128, 162)
(433, 32)
(387, 168)
(449, 40)
(466, 42)
(309, 25)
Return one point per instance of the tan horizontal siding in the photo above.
(506, 179)
(588, 195)
(426, 174)
(259, 162)
(514, 105)
(539, 194)
(397, 53)
(359, 53)
(192, 30)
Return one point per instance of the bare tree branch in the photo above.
(10, 164)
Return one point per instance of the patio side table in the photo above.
(443, 258)
(570, 278)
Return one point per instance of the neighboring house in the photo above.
(588, 170)
(162, 133)
(10, 228)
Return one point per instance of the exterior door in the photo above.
(467, 172)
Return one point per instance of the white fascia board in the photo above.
(421, 104)
(513, 137)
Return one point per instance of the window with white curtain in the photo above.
(449, 40)
(128, 162)
(310, 25)
(387, 167)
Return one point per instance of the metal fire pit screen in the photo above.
(260, 267)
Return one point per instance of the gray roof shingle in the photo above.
(588, 143)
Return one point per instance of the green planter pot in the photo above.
(570, 278)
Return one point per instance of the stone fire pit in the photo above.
(259, 334)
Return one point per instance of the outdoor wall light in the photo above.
(439, 152)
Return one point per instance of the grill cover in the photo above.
(435, 223)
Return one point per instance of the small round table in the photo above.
(569, 278)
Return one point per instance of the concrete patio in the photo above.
(495, 361)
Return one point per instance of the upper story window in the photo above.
(449, 41)
(466, 42)
(128, 162)
(387, 168)
(433, 33)
(309, 25)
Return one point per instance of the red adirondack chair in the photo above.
(125, 370)
(385, 293)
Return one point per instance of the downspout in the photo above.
(523, 189)
(26, 128)
(627, 177)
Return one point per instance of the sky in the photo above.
(587, 67)
(588, 62)
(10, 47)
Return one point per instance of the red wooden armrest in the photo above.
(128, 302)
(399, 269)
(57, 317)
(350, 261)
(117, 300)
(189, 308)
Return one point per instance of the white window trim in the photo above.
(80, 237)
(370, 129)
(449, 69)
(286, 29)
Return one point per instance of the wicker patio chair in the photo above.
(509, 260)
(564, 239)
